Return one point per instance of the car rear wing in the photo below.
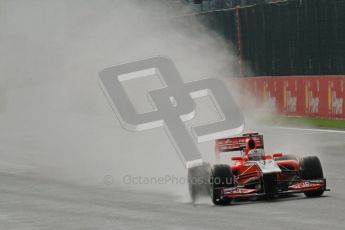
(238, 143)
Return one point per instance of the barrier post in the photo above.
(239, 45)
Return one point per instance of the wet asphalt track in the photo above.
(30, 202)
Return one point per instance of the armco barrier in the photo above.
(317, 96)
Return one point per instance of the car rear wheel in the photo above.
(310, 169)
(221, 177)
(199, 181)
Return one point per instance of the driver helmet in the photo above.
(255, 154)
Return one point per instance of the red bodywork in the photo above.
(249, 177)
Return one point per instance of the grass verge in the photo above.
(306, 122)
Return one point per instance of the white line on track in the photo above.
(309, 129)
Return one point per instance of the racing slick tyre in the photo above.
(221, 177)
(287, 157)
(199, 181)
(310, 169)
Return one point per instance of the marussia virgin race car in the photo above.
(255, 173)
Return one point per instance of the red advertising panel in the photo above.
(318, 96)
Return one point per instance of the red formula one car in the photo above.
(255, 173)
